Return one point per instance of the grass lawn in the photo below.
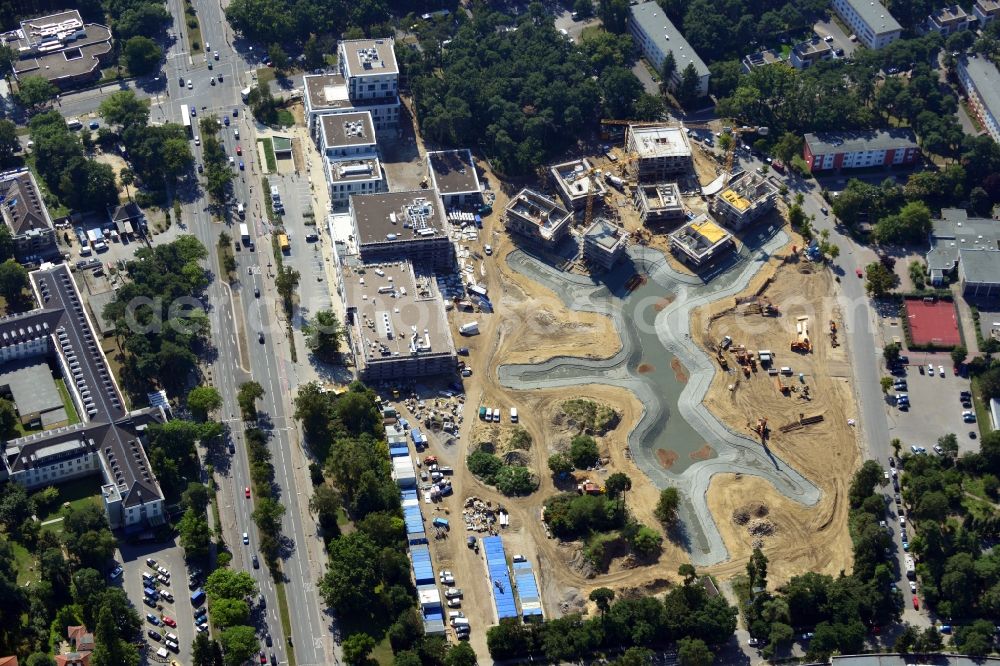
(68, 405)
(56, 209)
(269, 158)
(982, 409)
(976, 508)
(79, 493)
(286, 621)
(193, 34)
(265, 75)
(285, 118)
(25, 563)
(383, 652)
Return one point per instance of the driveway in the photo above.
(840, 39)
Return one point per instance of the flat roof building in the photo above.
(396, 322)
(952, 234)
(537, 217)
(656, 36)
(979, 273)
(761, 59)
(325, 94)
(575, 181)
(986, 11)
(949, 20)
(700, 241)
(860, 149)
(357, 174)
(108, 439)
(346, 134)
(980, 80)
(27, 217)
(395, 226)
(453, 174)
(748, 197)
(60, 48)
(604, 243)
(870, 20)
(808, 53)
(658, 202)
(657, 151)
(30, 386)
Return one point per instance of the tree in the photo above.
(515, 480)
(910, 225)
(460, 654)
(787, 147)
(351, 574)
(194, 534)
(325, 504)
(229, 612)
(8, 57)
(312, 52)
(560, 464)
(886, 383)
(33, 91)
(141, 55)
(617, 484)
(666, 507)
(357, 647)
(602, 597)
(645, 542)
(324, 335)
(279, 59)
(247, 397)
(13, 281)
(202, 400)
(286, 281)
(230, 584)
(8, 419)
(124, 109)
(201, 650)
(667, 71)
(9, 143)
(40, 659)
(87, 589)
(879, 279)
(958, 355)
(694, 652)
(619, 90)
(687, 92)
(583, 451)
(890, 352)
(239, 644)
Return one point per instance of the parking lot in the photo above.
(935, 405)
(170, 556)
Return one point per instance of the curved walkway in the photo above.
(736, 452)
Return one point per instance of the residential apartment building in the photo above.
(980, 80)
(949, 20)
(108, 439)
(871, 22)
(824, 151)
(604, 244)
(656, 36)
(27, 217)
(396, 322)
(60, 48)
(810, 52)
(325, 94)
(453, 174)
(657, 152)
(748, 197)
(660, 202)
(537, 218)
(397, 226)
(370, 69)
(350, 152)
(986, 11)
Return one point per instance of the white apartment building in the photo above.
(980, 80)
(347, 141)
(656, 36)
(870, 20)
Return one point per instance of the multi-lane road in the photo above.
(238, 317)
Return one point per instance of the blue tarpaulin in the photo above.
(496, 565)
(423, 570)
(409, 494)
(398, 451)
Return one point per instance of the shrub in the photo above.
(484, 465)
(583, 451)
(514, 480)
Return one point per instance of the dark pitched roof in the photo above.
(21, 202)
(126, 212)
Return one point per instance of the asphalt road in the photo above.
(237, 316)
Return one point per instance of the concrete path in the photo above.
(736, 452)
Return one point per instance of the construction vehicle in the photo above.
(802, 343)
(784, 390)
(760, 428)
(833, 334)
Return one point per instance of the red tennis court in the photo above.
(933, 323)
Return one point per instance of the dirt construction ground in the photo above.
(795, 538)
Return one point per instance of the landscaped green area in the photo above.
(285, 118)
(71, 415)
(78, 493)
(269, 158)
(27, 567)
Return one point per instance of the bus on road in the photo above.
(186, 118)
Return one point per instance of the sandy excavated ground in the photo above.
(804, 538)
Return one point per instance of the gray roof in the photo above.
(652, 20)
(956, 231)
(369, 57)
(22, 207)
(825, 143)
(453, 171)
(980, 266)
(986, 78)
(414, 215)
(900, 660)
(31, 385)
(604, 234)
(875, 15)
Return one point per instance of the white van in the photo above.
(513, 414)
(162, 654)
(275, 195)
(241, 210)
(74, 123)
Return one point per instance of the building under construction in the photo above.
(575, 181)
(604, 243)
(700, 241)
(538, 218)
(659, 202)
(656, 152)
(748, 197)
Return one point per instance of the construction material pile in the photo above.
(482, 516)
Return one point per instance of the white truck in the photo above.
(245, 233)
(472, 328)
(513, 414)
